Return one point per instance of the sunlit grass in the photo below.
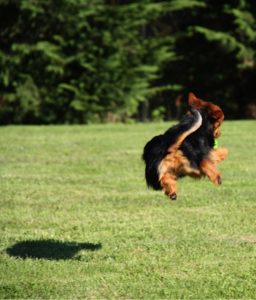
(77, 220)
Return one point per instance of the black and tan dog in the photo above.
(187, 148)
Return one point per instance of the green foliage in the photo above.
(229, 44)
(85, 58)
(215, 51)
(82, 61)
(158, 114)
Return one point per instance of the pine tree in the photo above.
(216, 53)
(82, 61)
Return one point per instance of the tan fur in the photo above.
(176, 164)
(182, 137)
(172, 166)
(214, 111)
(208, 166)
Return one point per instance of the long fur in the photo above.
(186, 148)
(159, 146)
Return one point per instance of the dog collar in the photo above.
(216, 144)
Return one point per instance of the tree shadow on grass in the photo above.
(49, 249)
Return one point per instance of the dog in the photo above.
(186, 149)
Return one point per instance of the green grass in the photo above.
(77, 220)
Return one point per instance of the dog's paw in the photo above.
(218, 180)
(173, 196)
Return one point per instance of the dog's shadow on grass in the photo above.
(49, 249)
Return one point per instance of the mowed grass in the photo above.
(77, 220)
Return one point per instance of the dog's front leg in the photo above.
(209, 169)
(219, 154)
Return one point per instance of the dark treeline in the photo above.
(83, 61)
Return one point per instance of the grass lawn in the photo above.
(77, 220)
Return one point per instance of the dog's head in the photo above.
(214, 112)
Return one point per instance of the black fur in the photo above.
(195, 147)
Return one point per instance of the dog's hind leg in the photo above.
(169, 185)
(167, 179)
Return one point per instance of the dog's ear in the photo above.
(192, 99)
(195, 102)
(215, 112)
(217, 116)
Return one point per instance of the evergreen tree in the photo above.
(76, 61)
(216, 54)
(81, 61)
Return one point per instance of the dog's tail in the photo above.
(196, 120)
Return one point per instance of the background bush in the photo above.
(82, 61)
